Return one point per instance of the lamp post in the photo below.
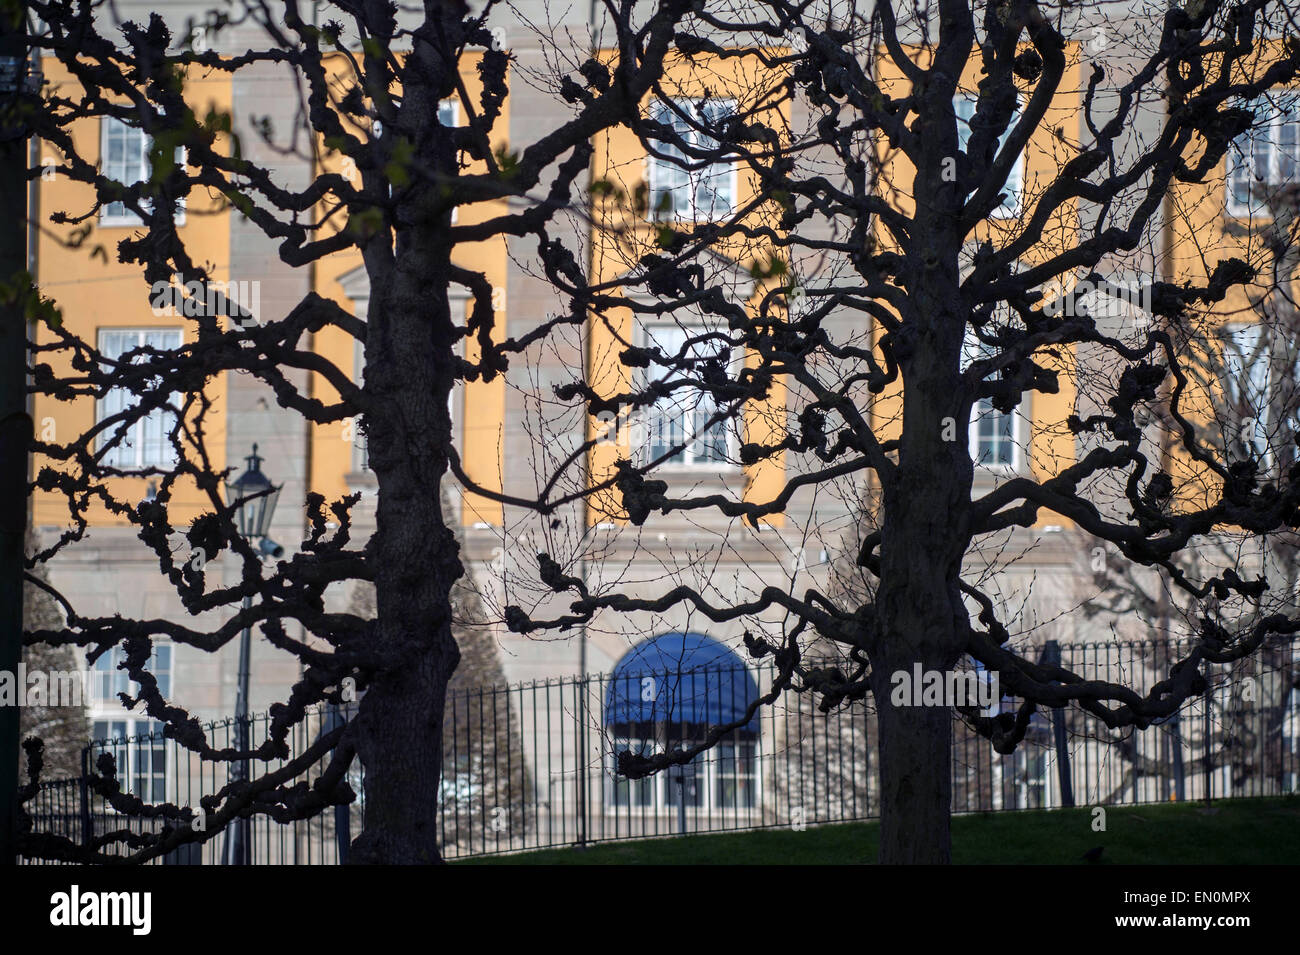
(253, 497)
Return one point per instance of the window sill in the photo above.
(131, 222)
(363, 480)
(691, 220)
(1245, 218)
(705, 470)
(989, 477)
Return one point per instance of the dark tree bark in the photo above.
(915, 783)
(381, 112)
(847, 238)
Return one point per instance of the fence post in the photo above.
(1205, 743)
(84, 786)
(582, 684)
(1052, 657)
(1180, 787)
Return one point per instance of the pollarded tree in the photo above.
(1245, 362)
(485, 782)
(371, 78)
(937, 190)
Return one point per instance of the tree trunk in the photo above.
(920, 618)
(416, 560)
(409, 372)
(400, 746)
(410, 369)
(919, 613)
(915, 784)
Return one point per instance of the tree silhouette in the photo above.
(912, 274)
(370, 79)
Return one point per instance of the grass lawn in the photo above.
(1233, 832)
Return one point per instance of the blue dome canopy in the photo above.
(680, 678)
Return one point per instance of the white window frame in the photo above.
(106, 708)
(972, 349)
(688, 459)
(449, 112)
(1241, 343)
(114, 214)
(982, 410)
(657, 793)
(130, 752)
(134, 443)
(658, 167)
(106, 676)
(452, 118)
(1277, 129)
(964, 105)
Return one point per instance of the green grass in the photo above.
(1233, 832)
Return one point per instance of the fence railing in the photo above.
(532, 765)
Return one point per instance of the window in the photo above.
(633, 793)
(110, 680)
(964, 105)
(679, 187)
(136, 743)
(1264, 156)
(681, 420)
(1250, 351)
(992, 433)
(1030, 776)
(145, 444)
(125, 159)
(737, 776)
(360, 450)
(139, 751)
(664, 695)
(448, 115)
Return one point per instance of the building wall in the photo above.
(508, 437)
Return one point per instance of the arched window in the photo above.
(664, 694)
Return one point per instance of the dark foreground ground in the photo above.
(1229, 832)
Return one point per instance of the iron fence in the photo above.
(532, 765)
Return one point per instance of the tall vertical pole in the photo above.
(237, 834)
(583, 686)
(1052, 656)
(1206, 759)
(15, 421)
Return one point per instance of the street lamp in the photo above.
(253, 497)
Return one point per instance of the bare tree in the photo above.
(863, 266)
(370, 77)
(1247, 365)
(878, 272)
(485, 781)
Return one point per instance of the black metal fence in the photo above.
(533, 765)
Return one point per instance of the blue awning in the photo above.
(680, 678)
